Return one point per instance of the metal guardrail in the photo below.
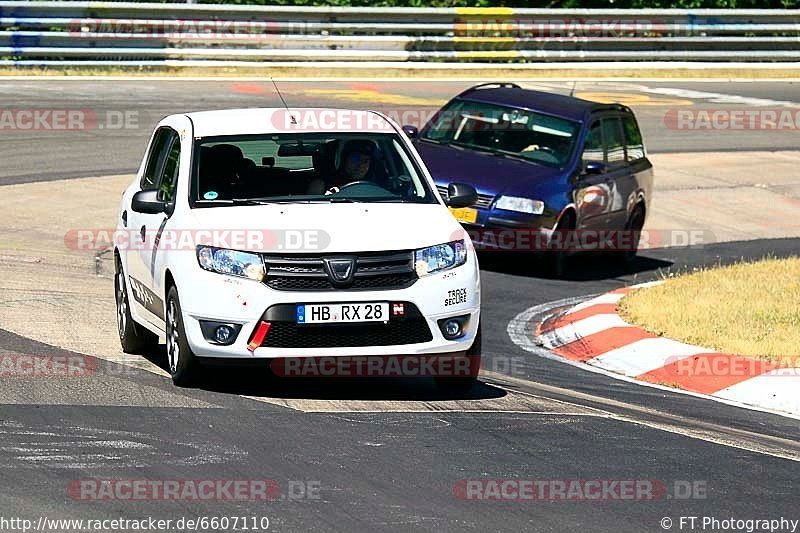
(123, 33)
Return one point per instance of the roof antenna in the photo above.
(294, 121)
(571, 93)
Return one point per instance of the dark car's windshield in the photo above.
(504, 130)
(306, 167)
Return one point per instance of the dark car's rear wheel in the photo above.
(133, 337)
(630, 242)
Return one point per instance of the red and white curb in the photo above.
(592, 333)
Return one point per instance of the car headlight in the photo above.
(440, 257)
(522, 205)
(232, 262)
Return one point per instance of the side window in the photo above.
(633, 138)
(615, 146)
(169, 178)
(150, 177)
(593, 147)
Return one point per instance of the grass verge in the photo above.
(749, 309)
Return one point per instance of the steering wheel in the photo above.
(547, 149)
(355, 183)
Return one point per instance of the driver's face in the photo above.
(356, 165)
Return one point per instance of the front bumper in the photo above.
(227, 299)
(500, 231)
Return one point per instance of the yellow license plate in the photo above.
(465, 214)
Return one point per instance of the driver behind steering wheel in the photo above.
(354, 165)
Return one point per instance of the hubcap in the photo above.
(173, 336)
(122, 305)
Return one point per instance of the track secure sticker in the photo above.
(211, 195)
(455, 297)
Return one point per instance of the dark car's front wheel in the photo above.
(557, 251)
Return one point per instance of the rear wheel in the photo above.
(180, 359)
(133, 337)
(462, 384)
(634, 228)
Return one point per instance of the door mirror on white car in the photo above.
(461, 195)
(148, 202)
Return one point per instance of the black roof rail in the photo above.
(490, 84)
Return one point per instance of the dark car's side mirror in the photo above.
(594, 167)
(461, 195)
(411, 131)
(148, 202)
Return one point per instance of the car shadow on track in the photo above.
(579, 267)
(257, 379)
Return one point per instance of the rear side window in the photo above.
(157, 147)
(633, 138)
(615, 145)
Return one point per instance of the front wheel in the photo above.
(180, 359)
(462, 384)
(132, 337)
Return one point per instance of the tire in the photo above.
(634, 224)
(462, 385)
(133, 338)
(181, 362)
(556, 259)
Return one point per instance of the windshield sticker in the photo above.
(211, 195)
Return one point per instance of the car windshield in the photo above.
(304, 167)
(504, 131)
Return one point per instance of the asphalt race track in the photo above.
(389, 469)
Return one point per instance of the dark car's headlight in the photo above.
(521, 205)
(440, 257)
(232, 262)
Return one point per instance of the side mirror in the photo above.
(594, 167)
(461, 195)
(148, 202)
(411, 131)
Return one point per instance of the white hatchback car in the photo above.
(267, 233)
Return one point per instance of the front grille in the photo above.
(484, 200)
(373, 271)
(396, 332)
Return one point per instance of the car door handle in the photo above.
(143, 232)
(124, 219)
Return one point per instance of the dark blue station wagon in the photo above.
(540, 162)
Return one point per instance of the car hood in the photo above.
(489, 174)
(337, 228)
